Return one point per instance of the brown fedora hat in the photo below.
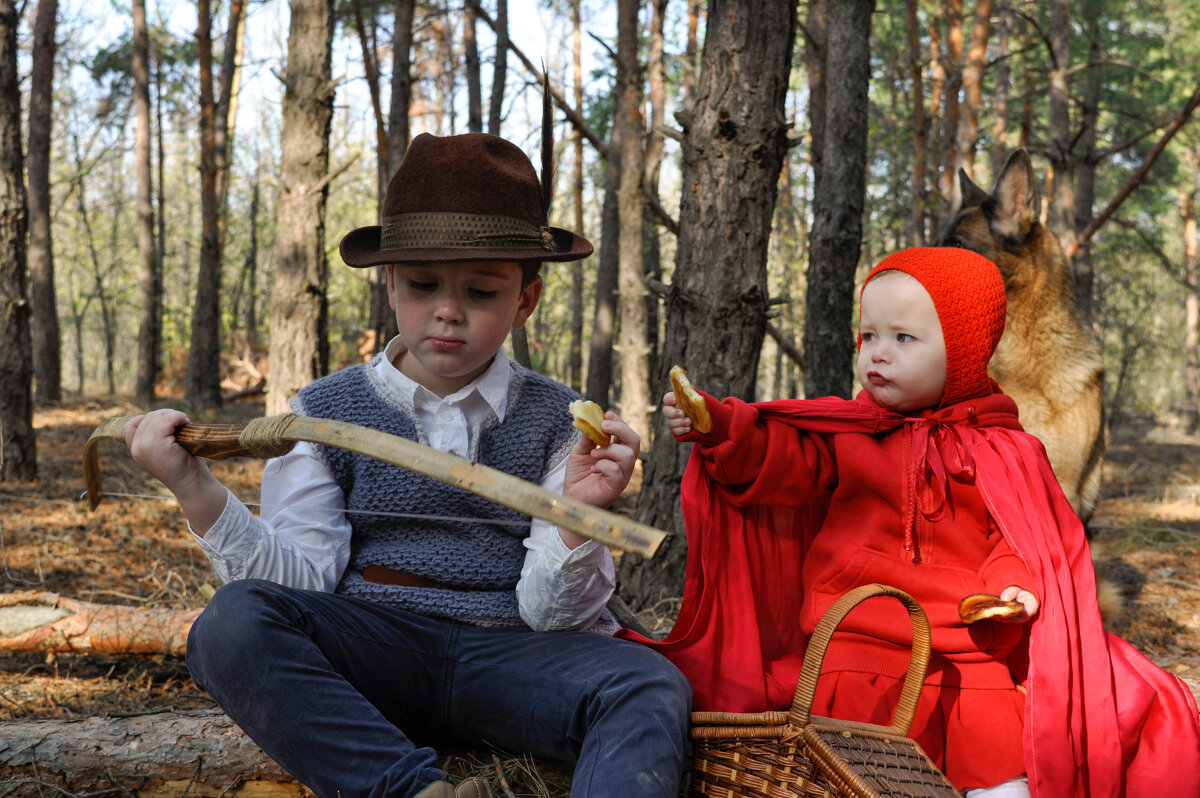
(462, 198)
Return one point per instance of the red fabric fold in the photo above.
(1101, 718)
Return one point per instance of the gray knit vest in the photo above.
(456, 546)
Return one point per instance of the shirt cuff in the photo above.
(229, 541)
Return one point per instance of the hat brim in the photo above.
(360, 248)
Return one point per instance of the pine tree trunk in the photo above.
(972, 82)
(199, 754)
(631, 275)
(202, 385)
(1191, 301)
(299, 351)
(18, 454)
(734, 143)
(47, 354)
(575, 362)
(836, 235)
(150, 323)
(1062, 205)
(920, 126)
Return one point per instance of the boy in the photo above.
(924, 482)
(372, 611)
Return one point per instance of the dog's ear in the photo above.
(970, 195)
(1015, 196)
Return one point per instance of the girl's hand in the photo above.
(677, 420)
(1020, 594)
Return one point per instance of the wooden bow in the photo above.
(272, 436)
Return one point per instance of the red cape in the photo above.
(1101, 718)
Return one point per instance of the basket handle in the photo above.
(918, 662)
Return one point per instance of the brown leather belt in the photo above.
(388, 576)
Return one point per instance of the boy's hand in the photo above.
(677, 420)
(598, 475)
(151, 441)
(1020, 594)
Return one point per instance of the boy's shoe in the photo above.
(473, 787)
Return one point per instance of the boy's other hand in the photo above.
(677, 420)
(597, 475)
(151, 442)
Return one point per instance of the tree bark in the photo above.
(18, 445)
(1003, 83)
(952, 66)
(200, 754)
(575, 360)
(1086, 162)
(920, 128)
(381, 322)
(972, 83)
(471, 67)
(1191, 298)
(47, 354)
(499, 68)
(634, 403)
(733, 147)
(43, 621)
(604, 317)
(150, 323)
(402, 40)
(1062, 205)
(836, 235)
(202, 385)
(299, 351)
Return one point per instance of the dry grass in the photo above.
(136, 551)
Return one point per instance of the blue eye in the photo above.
(904, 338)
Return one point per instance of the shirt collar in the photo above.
(491, 386)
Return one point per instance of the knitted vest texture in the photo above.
(455, 545)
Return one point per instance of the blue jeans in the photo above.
(348, 695)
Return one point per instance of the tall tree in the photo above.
(972, 86)
(381, 321)
(18, 445)
(499, 68)
(1062, 204)
(299, 349)
(150, 324)
(920, 125)
(575, 360)
(471, 67)
(47, 354)
(203, 381)
(634, 404)
(734, 142)
(835, 239)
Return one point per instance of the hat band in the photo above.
(461, 231)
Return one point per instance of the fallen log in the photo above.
(43, 621)
(198, 754)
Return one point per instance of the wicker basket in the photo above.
(789, 754)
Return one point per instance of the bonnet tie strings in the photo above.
(939, 454)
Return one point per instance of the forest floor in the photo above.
(135, 551)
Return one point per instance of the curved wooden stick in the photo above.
(272, 436)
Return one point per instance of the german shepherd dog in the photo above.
(1049, 359)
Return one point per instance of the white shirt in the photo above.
(302, 537)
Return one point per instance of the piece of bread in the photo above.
(587, 416)
(689, 401)
(981, 606)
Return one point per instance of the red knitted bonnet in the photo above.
(968, 294)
